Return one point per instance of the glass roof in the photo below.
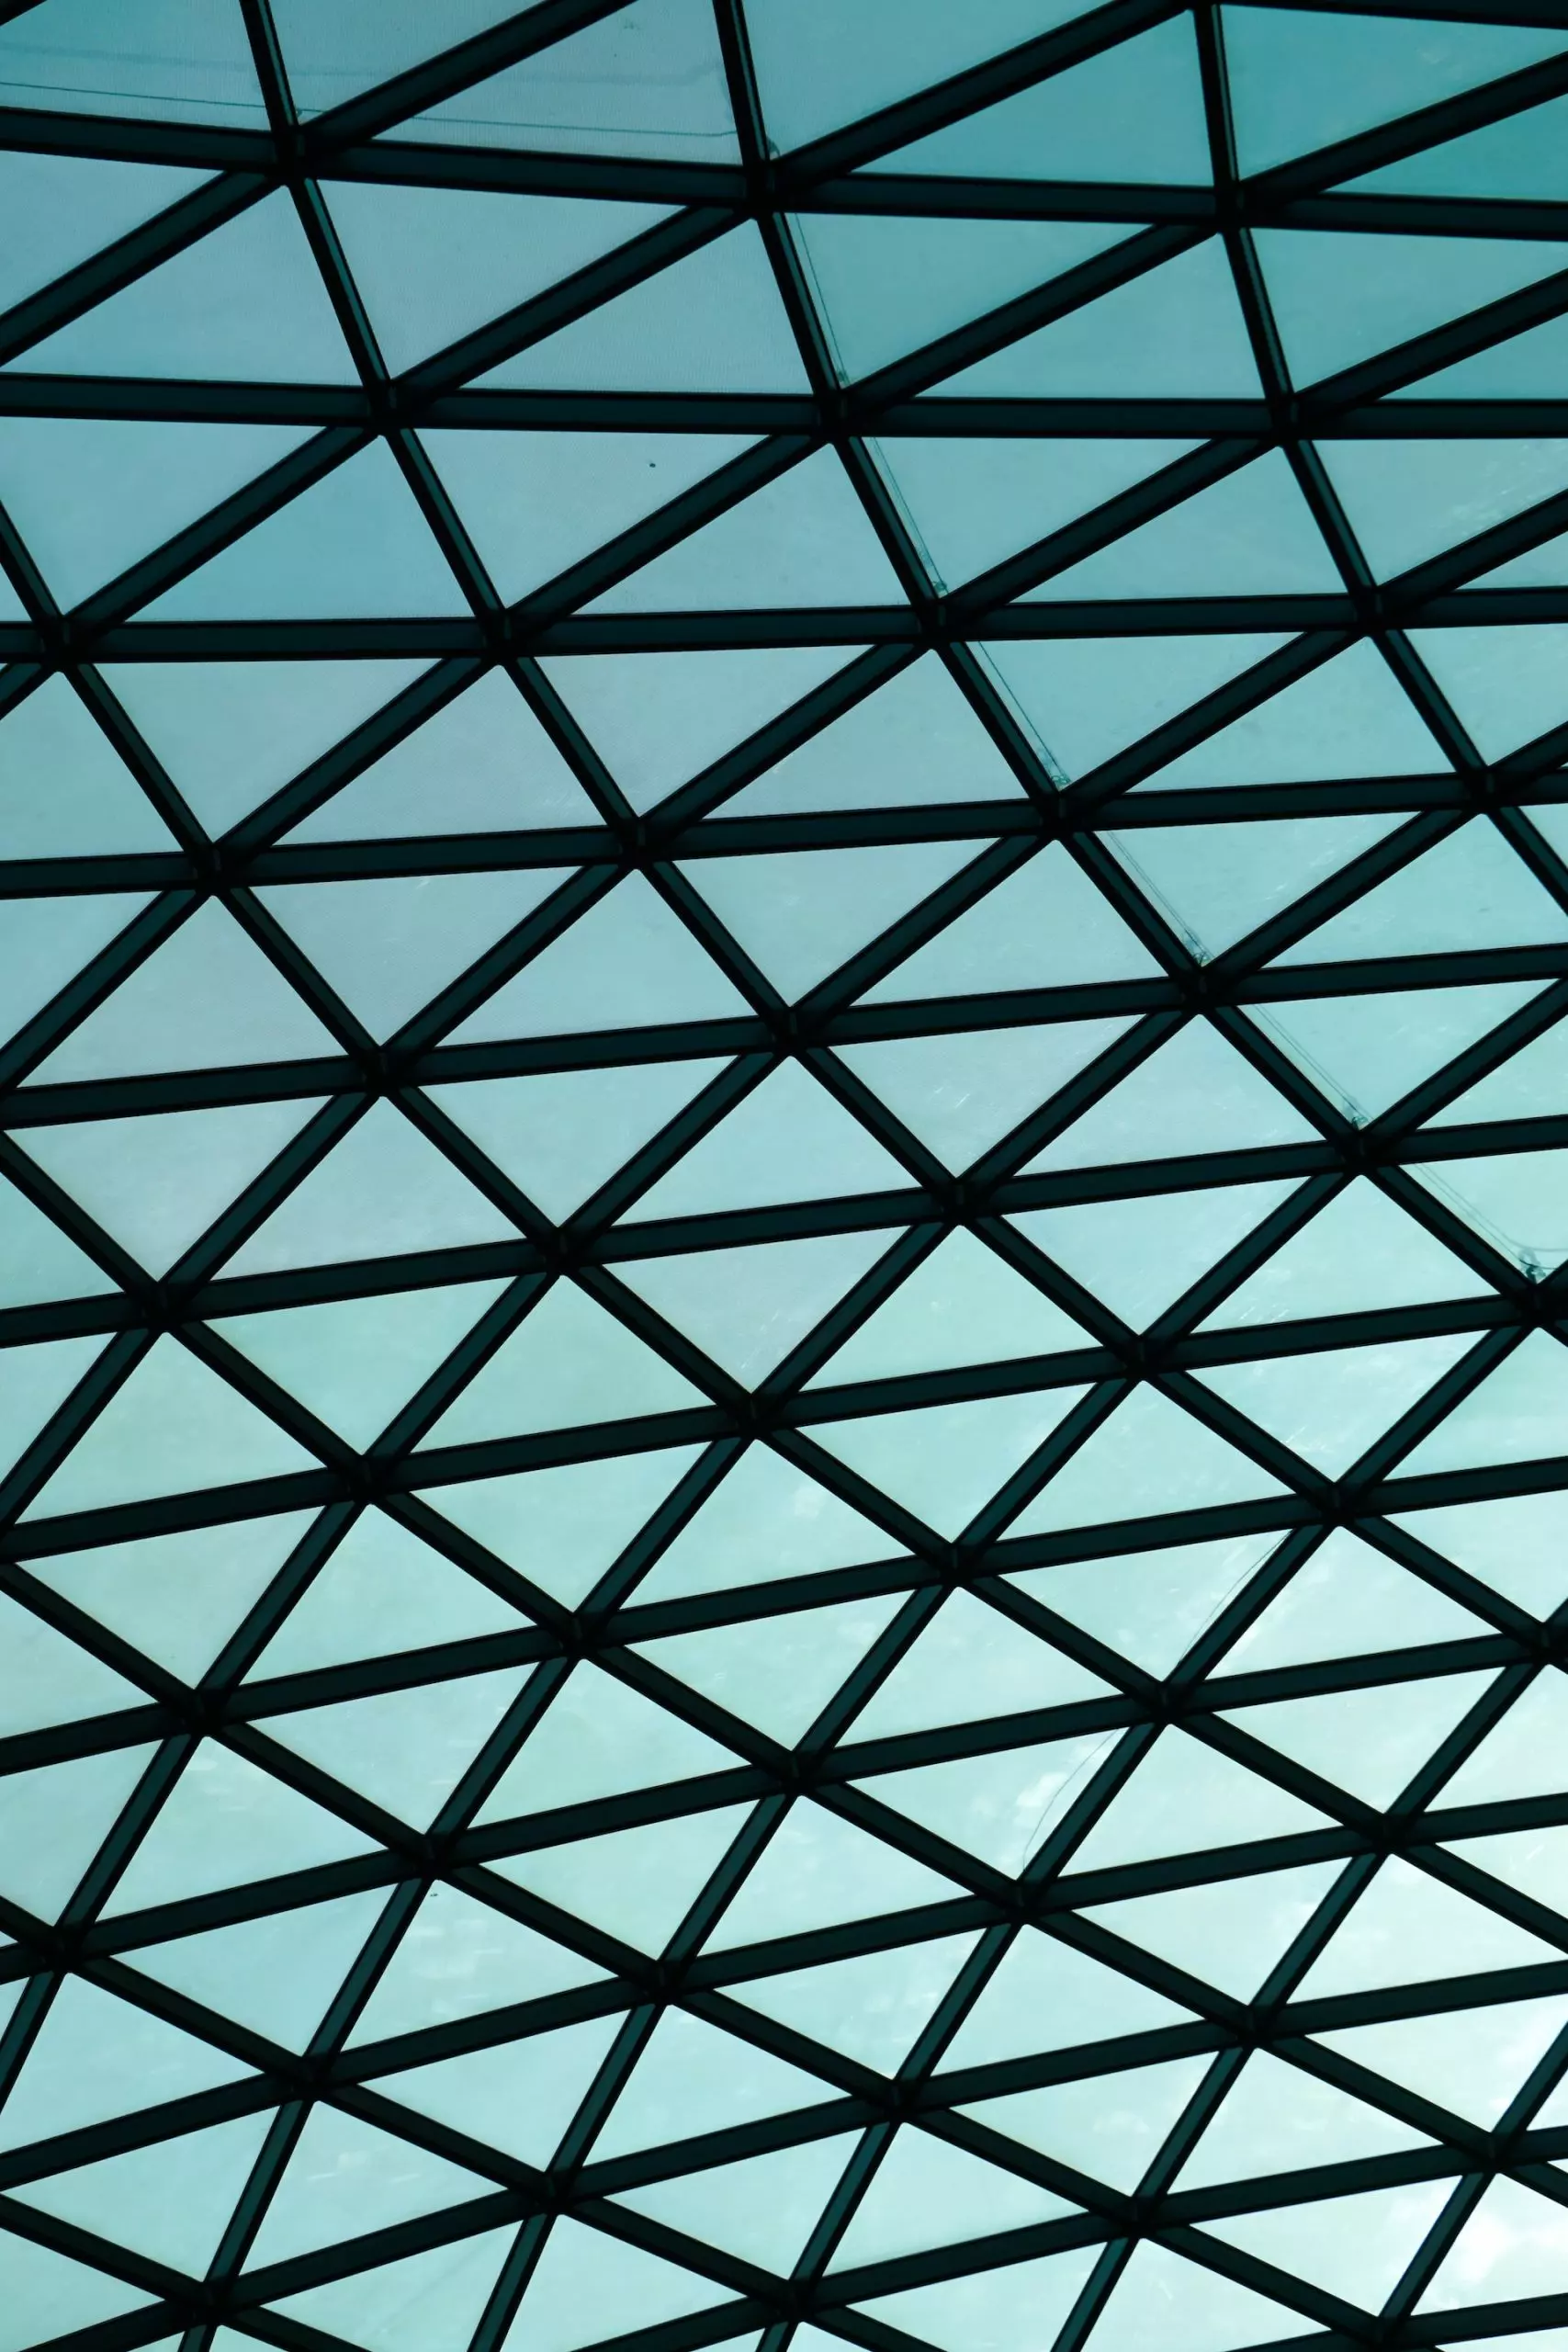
(784, 1422)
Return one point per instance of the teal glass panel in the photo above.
(799, 916)
(599, 1738)
(564, 1527)
(788, 1140)
(945, 1462)
(88, 798)
(1186, 2307)
(1409, 500)
(357, 1363)
(1520, 157)
(1510, 2246)
(1147, 1458)
(1111, 2127)
(568, 1362)
(383, 1190)
(170, 2202)
(1151, 1606)
(986, 2311)
(635, 1885)
(1139, 1255)
(1368, 1052)
(441, 2296)
(519, 2098)
(587, 2286)
(1048, 1994)
(780, 1676)
(871, 2008)
(818, 1870)
(178, 1597)
(76, 205)
(762, 2208)
(96, 2056)
(925, 2192)
(1044, 926)
(1081, 704)
(562, 1134)
(748, 1308)
(1278, 2115)
(1348, 717)
(1337, 301)
(1229, 1935)
(56, 1819)
(346, 2176)
(1194, 1094)
(765, 1519)
(960, 1095)
(962, 1304)
(997, 1808)
(459, 1958)
(1348, 1599)
(1407, 1922)
(171, 64)
(1360, 1252)
(1329, 1407)
(1252, 534)
(1371, 1742)
(1507, 685)
(227, 1823)
(278, 1974)
(915, 739)
(331, 58)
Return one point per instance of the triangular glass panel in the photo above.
(1230, 1934)
(171, 2201)
(1523, 367)
(74, 206)
(519, 2097)
(1185, 2307)
(63, 792)
(926, 2192)
(568, 1363)
(969, 1663)
(1148, 1458)
(1084, 702)
(47, 942)
(628, 960)
(1177, 331)
(156, 1183)
(1516, 1759)
(47, 2292)
(1368, 1052)
(173, 1426)
(691, 2079)
(885, 285)
(1110, 2126)
(916, 740)
(989, 2308)
(227, 1823)
(1408, 1926)
(1346, 1600)
(1508, 685)
(1511, 2246)
(231, 732)
(347, 2178)
(800, 914)
(946, 1461)
(178, 1597)
(1330, 1407)
(1046, 926)
(1151, 1606)
(1358, 1253)
(1346, 718)
(330, 62)
(457, 1957)
(1514, 1544)
(560, 1135)
(587, 2287)
(961, 1094)
(406, 1750)
(1214, 883)
(597, 1738)
(712, 321)
(1371, 1741)
(34, 1383)
(802, 539)
(277, 1974)
(1250, 535)
(55, 1819)
(998, 1807)
(439, 2297)
(1048, 1995)
(352, 546)
(780, 1673)
(37, 1263)
(94, 2057)
(537, 504)
(1514, 1415)
(51, 1681)
(1409, 500)
(748, 1308)
(819, 1871)
(1275, 2117)
(871, 2008)
(205, 999)
(58, 58)
(1535, 1863)
(382, 1190)
(1520, 157)
(92, 496)
(963, 1305)
(766, 1519)
(1337, 302)
(1140, 1256)
(1472, 2062)
(1186, 1797)
(762, 2208)
(432, 263)
(563, 1528)
(635, 1885)
(1527, 1085)
(244, 303)
(788, 1140)
(381, 1591)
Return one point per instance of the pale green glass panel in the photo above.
(1471, 2064)
(1337, 300)
(1508, 685)
(383, 1190)
(871, 2008)
(1368, 1052)
(96, 2056)
(432, 263)
(628, 960)
(1471, 891)
(1529, 1084)
(818, 1870)
(355, 1362)
(1408, 1926)
(1250, 535)
(227, 1823)
(946, 1461)
(179, 1597)
(748, 1308)
(1514, 1415)
(457, 1957)
(562, 1134)
(45, 1678)
(47, 942)
(244, 303)
(437, 2299)
(380, 1591)
(173, 1427)
(1151, 1606)
(1512, 2246)
(333, 55)
(1525, 367)
(788, 1140)
(277, 1974)
(1515, 1543)
(55, 1819)
(1346, 718)
(406, 1750)
(1276, 2117)
(1371, 1742)
(693, 2079)
(170, 63)
(1186, 1797)
(1048, 1995)
(519, 2097)
(1409, 500)
(231, 732)
(997, 1808)
(598, 1737)
(1330, 1407)
(46, 2291)
(37, 1261)
(1358, 1253)
(1535, 1863)
(1544, 566)
(92, 496)
(765, 1519)
(1084, 700)
(346, 2177)
(568, 1362)
(985, 2311)
(800, 914)
(762, 2208)
(1520, 1756)
(1214, 883)
(962, 1304)
(74, 206)
(1149, 1457)
(778, 1674)
(171, 2201)
(961, 1094)
(34, 1383)
(885, 285)
(1161, 2299)
(970, 504)
(1133, 113)
(1521, 157)
(156, 1183)
(1110, 2126)
(915, 739)
(803, 539)
(588, 2286)
(563, 1528)
(1140, 1256)
(1345, 1601)
(969, 1663)
(636, 1884)
(1231, 1934)
(1517, 1201)
(926, 2192)
(63, 790)
(1193, 1095)
(1046, 925)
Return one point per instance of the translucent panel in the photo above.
(94, 496)
(1525, 1085)
(1048, 1995)
(1251, 534)
(406, 1750)
(636, 1884)
(482, 764)
(690, 2078)
(778, 1675)
(63, 790)
(1148, 1457)
(1371, 1742)
(186, 65)
(244, 303)
(1161, 2299)
(1046, 926)
(173, 1426)
(647, 81)
(178, 1596)
(227, 1823)
(1404, 1927)
(1344, 1600)
(157, 1183)
(45, 2291)
(36, 1262)
(536, 503)
(354, 1362)
(1346, 717)
(34, 1383)
(762, 2208)
(1133, 113)
(441, 2296)
(564, 1526)
(1368, 1052)
(1506, 684)
(788, 1140)
(1140, 1256)
(1511, 2246)
(231, 732)
(1329, 1407)
(1278, 2116)
(1337, 301)
(96, 2056)
(171, 2201)
(1151, 1606)
(47, 1679)
(962, 1304)
(1521, 156)
(433, 264)
(986, 2311)
(1471, 891)
(1185, 1797)
(1515, 1543)
(333, 58)
(962, 1094)
(1516, 1757)
(562, 1134)
(884, 285)
(519, 2097)
(1084, 702)
(1521, 367)
(1215, 883)
(1231, 1934)
(915, 739)
(56, 1817)
(926, 2192)
(1534, 1863)
(1110, 2126)
(871, 2008)
(73, 205)
(946, 1461)
(765, 1519)
(750, 1308)
(1298, 83)
(598, 1737)
(458, 1958)
(969, 1663)
(1358, 1253)
(568, 1362)
(276, 1975)
(1538, 567)
(382, 1591)
(999, 1807)
(1473, 2063)
(801, 915)
(1511, 1417)
(816, 1870)
(47, 943)
(1177, 330)
(1409, 500)
(628, 956)
(658, 719)
(345, 2177)
(803, 539)
(382, 1190)
(587, 2286)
